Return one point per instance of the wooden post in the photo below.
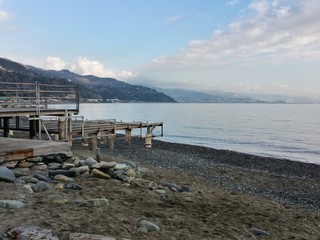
(110, 142)
(62, 128)
(85, 140)
(98, 157)
(32, 128)
(17, 122)
(69, 134)
(128, 136)
(6, 126)
(148, 142)
(94, 143)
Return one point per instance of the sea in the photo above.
(289, 131)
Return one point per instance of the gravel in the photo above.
(282, 180)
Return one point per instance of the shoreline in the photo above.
(282, 180)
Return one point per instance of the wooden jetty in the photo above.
(35, 108)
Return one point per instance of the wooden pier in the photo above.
(28, 107)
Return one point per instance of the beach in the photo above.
(224, 195)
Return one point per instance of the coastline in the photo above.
(283, 180)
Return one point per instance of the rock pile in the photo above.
(54, 173)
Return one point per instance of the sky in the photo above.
(243, 46)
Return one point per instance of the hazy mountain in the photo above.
(91, 87)
(189, 96)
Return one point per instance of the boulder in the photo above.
(62, 178)
(99, 174)
(11, 204)
(41, 186)
(6, 174)
(147, 226)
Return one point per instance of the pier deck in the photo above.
(15, 149)
(35, 104)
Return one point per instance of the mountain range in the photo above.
(92, 88)
(96, 89)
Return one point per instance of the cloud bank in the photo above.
(85, 66)
(278, 30)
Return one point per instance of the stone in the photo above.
(99, 174)
(24, 164)
(85, 175)
(86, 236)
(259, 233)
(28, 188)
(42, 177)
(63, 178)
(68, 173)
(97, 202)
(90, 162)
(58, 199)
(11, 204)
(131, 173)
(41, 186)
(123, 178)
(104, 165)
(19, 182)
(67, 166)
(147, 226)
(10, 164)
(129, 163)
(34, 159)
(33, 232)
(58, 158)
(143, 183)
(160, 191)
(172, 186)
(6, 174)
(33, 180)
(73, 186)
(54, 166)
(40, 167)
(121, 166)
(59, 186)
(144, 170)
(81, 169)
(19, 172)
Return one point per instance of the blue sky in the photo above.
(255, 46)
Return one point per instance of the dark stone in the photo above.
(68, 173)
(123, 178)
(185, 189)
(42, 177)
(73, 186)
(41, 186)
(259, 233)
(6, 174)
(58, 158)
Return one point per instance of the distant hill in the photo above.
(188, 96)
(92, 88)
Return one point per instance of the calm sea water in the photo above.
(278, 130)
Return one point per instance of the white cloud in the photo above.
(55, 63)
(173, 19)
(85, 66)
(277, 30)
(4, 15)
(232, 2)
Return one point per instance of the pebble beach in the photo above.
(170, 191)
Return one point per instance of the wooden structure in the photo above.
(45, 119)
